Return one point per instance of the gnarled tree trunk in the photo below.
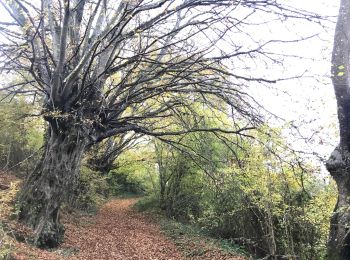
(339, 239)
(339, 162)
(50, 183)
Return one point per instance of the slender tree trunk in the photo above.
(51, 183)
(162, 201)
(173, 192)
(339, 162)
(269, 222)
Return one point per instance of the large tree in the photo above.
(339, 162)
(104, 68)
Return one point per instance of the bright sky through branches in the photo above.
(307, 102)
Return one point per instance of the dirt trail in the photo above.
(118, 232)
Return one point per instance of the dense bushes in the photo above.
(21, 136)
(268, 205)
(123, 183)
(92, 189)
(95, 186)
(179, 193)
(274, 224)
(134, 173)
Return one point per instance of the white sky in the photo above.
(310, 102)
(315, 66)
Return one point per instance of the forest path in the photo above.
(118, 232)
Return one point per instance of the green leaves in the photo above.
(341, 71)
(20, 135)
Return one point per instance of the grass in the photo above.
(6, 244)
(194, 242)
(6, 214)
(129, 195)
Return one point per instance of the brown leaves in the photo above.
(118, 232)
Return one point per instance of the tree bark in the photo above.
(339, 162)
(51, 183)
(339, 239)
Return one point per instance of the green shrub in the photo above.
(6, 244)
(147, 203)
(20, 136)
(183, 202)
(91, 191)
(277, 219)
(124, 183)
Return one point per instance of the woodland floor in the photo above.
(118, 231)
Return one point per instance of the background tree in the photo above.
(339, 161)
(102, 157)
(105, 68)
